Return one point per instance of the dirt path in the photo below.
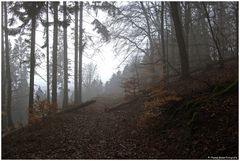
(93, 133)
(90, 132)
(211, 130)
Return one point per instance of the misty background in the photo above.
(126, 46)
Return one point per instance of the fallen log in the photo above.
(76, 107)
(119, 105)
(5, 133)
(67, 109)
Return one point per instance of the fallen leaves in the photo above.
(92, 133)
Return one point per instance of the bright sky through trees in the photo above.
(101, 54)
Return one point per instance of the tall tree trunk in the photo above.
(213, 36)
(48, 80)
(76, 55)
(162, 36)
(65, 85)
(55, 43)
(221, 28)
(8, 72)
(32, 64)
(4, 108)
(80, 52)
(158, 26)
(180, 39)
(236, 17)
(150, 40)
(187, 16)
(167, 60)
(137, 72)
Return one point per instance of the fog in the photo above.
(120, 80)
(62, 55)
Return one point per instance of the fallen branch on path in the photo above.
(120, 105)
(67, 109)
(76, 107)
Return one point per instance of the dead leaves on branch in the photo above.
(41, 110)
(157, 96)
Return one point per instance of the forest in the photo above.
(119, 80)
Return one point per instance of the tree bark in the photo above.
(236, 17)
(213, 36)
(47, 37)
(80, 52)
(187, 12)
(150, 40)
(166, 52)
(55, 43)
(32, 63)
(65, 85)
(3, 75)
(180, 39)
(162, 36)
(137, 72)
(8, 72)
(76, 56)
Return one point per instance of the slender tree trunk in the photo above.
(32, 64)
(187, 13)
(162, 36)
(236, 17)
(180, 39)
(48, 80)
(3, 65)
(65, 85)
(150, 40)
(221, 29)
(213, 36)
(167, 59)
(55, 43)
(4, 109)
(80, 52)
(8, 72)
(137, 72)
(76, 55)
(158, 26)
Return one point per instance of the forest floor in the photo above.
(202, 125)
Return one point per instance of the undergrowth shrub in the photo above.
(157, 97)
(41, 110)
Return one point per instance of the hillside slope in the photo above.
(202, 124)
